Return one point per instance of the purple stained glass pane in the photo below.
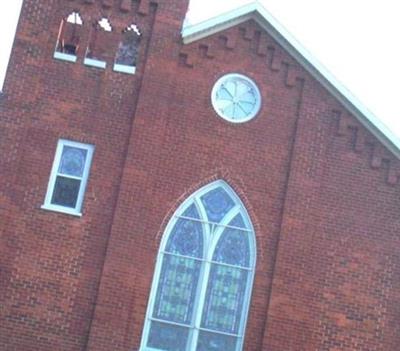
(224, 302)
(167, 337)
(186, 238)
(217, 203)
(233, 246)
(216, 342)
(72, 161)
(177, 289)
(128, 49)
(238, 221)
(191, 212)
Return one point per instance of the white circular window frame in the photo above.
(223, 79)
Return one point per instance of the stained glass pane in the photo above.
(236, 112)
(242, 88)
(177, 289)
(238, 221)
(128, 49)
(191, 212)
(216, 342)
(72, 161)
(224, 104)
(230, 86)
(247, 107)
(248, 97)
(228, 109)
(186, 237)
(167, 337)
(224, 302)
(224, 94)
(217, 203)
(233, 247)
(66, 192)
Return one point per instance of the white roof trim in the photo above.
(258, 13)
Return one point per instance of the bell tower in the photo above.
(76, 76)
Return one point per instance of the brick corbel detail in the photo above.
(379, 157)
(124, 6)
(121, 13)
(393, 173)
(248, 33)
(187, 57)
(291, 75)
(107, 3)
(273, 56)
(230, 40)
(262, 46)
(144, 7)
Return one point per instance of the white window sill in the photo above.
(65, 210)
(65, 57)
(95, 63)
(124, 68)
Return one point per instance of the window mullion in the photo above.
(58, 179)
(245, 230)
(199, 300)
(215, 214)
(68, 176)
(200, 304)
(204, 284)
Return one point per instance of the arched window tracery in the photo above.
(127, 53)
(203, 277)
(69, 36)
(100, 43)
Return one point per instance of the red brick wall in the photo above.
(51, 263)
(321, 191)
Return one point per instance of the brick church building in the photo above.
(210, 188)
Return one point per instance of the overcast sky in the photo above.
(357, 40)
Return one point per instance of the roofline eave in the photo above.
(258, 13)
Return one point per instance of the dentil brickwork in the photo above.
(321, 191)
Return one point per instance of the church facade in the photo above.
(209, 188)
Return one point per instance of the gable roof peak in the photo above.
(256, 11)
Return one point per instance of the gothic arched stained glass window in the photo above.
(203, 277)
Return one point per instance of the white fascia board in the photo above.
(216, 24)
(258, 13)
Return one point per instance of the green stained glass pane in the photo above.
(176, 289)
(225, 299)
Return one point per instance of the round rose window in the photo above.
(236, 98)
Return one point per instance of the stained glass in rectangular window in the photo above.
(72, 161)
(68, 177)
(216, 342)
(167, 337)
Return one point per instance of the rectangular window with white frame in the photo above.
(68, 178)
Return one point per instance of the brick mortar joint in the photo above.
(380, 158)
